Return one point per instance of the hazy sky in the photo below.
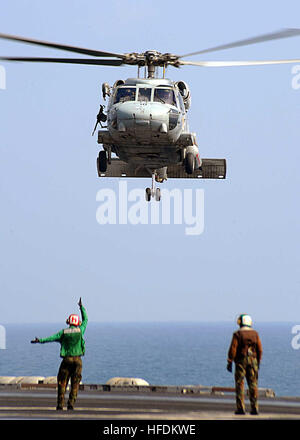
(52, 248)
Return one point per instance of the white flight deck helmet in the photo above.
(73, 320)
(244, 321)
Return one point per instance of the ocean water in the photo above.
(160, 353)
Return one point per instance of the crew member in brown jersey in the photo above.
(246, 352)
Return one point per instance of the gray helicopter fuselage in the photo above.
(146, 120)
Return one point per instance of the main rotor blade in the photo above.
(236, 63)
(95, 53)
(90, 61)
(285, 33)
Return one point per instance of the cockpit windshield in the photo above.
(161, 94)
(125, 94)
(144, 94)
(165, 96)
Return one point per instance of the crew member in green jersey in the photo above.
(72, 348)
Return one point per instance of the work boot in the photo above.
(59, 408)
(240, 412)
(254, 412)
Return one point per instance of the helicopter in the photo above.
(147, 127)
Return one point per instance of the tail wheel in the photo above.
(189, 163)
(102, 161)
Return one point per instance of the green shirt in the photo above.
(70, 339)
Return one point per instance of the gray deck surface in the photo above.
(41, 404)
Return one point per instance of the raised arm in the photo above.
(84, 317)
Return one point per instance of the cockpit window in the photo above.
(165, 96)
(125, 94)
(144, 94)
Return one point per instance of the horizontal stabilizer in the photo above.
(210, 169)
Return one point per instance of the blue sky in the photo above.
(53, 250)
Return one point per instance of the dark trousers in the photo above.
(246, 368)
(70, 368)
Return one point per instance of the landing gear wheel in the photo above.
(102, 161)
(157, 194)
(189, 163)
(153, 191)
(148, 194)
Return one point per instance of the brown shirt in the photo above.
(242, 340)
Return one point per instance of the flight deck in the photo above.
(102, 402)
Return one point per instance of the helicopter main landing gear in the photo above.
(189, 163)
(102, 161)
(153, 192)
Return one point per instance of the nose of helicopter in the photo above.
(142, 116)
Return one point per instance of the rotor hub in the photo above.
(151, 58)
